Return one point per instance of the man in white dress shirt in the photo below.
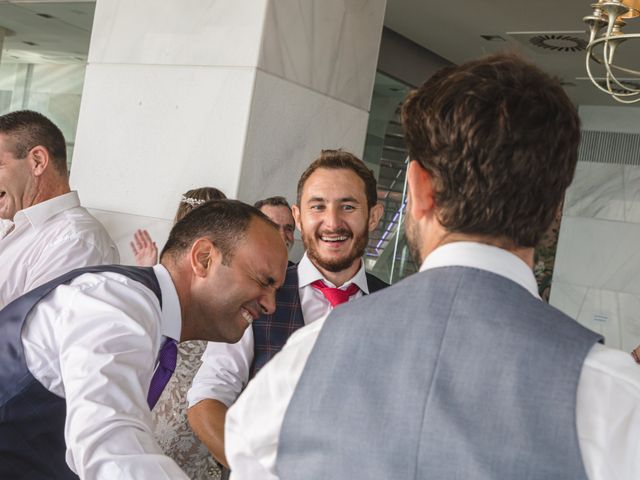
(88, 354)
(336, 209)
(45, 230)
(459, 371)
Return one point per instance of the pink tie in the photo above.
(335, 296)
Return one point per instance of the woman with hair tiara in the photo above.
(172, 430)
(145, 249)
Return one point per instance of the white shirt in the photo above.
(608, 397)
(95, 342)
(225, 367)
(49, 239)
(5, 227)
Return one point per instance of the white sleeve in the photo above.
(107, 336)
(608, 415)
(224, 371)
(253, 423)
(65, 255)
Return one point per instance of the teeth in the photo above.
(247, 316)
(334, 239)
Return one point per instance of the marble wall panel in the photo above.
(172, 129)
(174, 32)
(598, 253)
(615, 315)
(329, 46)
(632, 193)
(597, 191)
(289, 125)
(121, 227)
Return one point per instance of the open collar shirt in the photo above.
(49, 239)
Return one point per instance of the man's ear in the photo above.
(296, 216)
(39, 160)
(421, 193)
(375, 214)
(203, 256)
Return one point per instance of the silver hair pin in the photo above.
(191, 201)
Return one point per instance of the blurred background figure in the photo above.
(279, 211)
(172, 430)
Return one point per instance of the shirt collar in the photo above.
(39, 213)
(171, 318)
(483, 257)
(308, 273)
(5, 227)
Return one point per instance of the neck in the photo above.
(183, 297)
(343, 276)
(525, 254)
(50, 188)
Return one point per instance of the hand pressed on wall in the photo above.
(144, 249)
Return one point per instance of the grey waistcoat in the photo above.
(454, 373)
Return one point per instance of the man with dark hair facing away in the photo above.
(46, 231)
(86, 356)
(336, 209)
(459, 371)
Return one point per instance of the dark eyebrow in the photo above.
(342, 200)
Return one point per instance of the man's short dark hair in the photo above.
(499, 138)
(273, 201)
(28, 129)
(224, 222)
(339, 159)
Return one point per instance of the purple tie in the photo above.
(166, 365)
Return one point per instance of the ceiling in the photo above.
(46, 31)
(454, 31)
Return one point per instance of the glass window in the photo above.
(43, 62)
(387, 255)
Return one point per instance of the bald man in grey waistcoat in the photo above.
(460, 371)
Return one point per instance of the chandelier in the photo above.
(605, 37)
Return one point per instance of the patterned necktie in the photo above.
(166, 365)
(335, 296)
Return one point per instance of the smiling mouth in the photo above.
(334, 238)
(249, 318)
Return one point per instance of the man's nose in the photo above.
(268, 303)
(332, 217)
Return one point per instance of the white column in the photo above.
(236, 95)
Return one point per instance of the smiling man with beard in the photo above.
(336, 209)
